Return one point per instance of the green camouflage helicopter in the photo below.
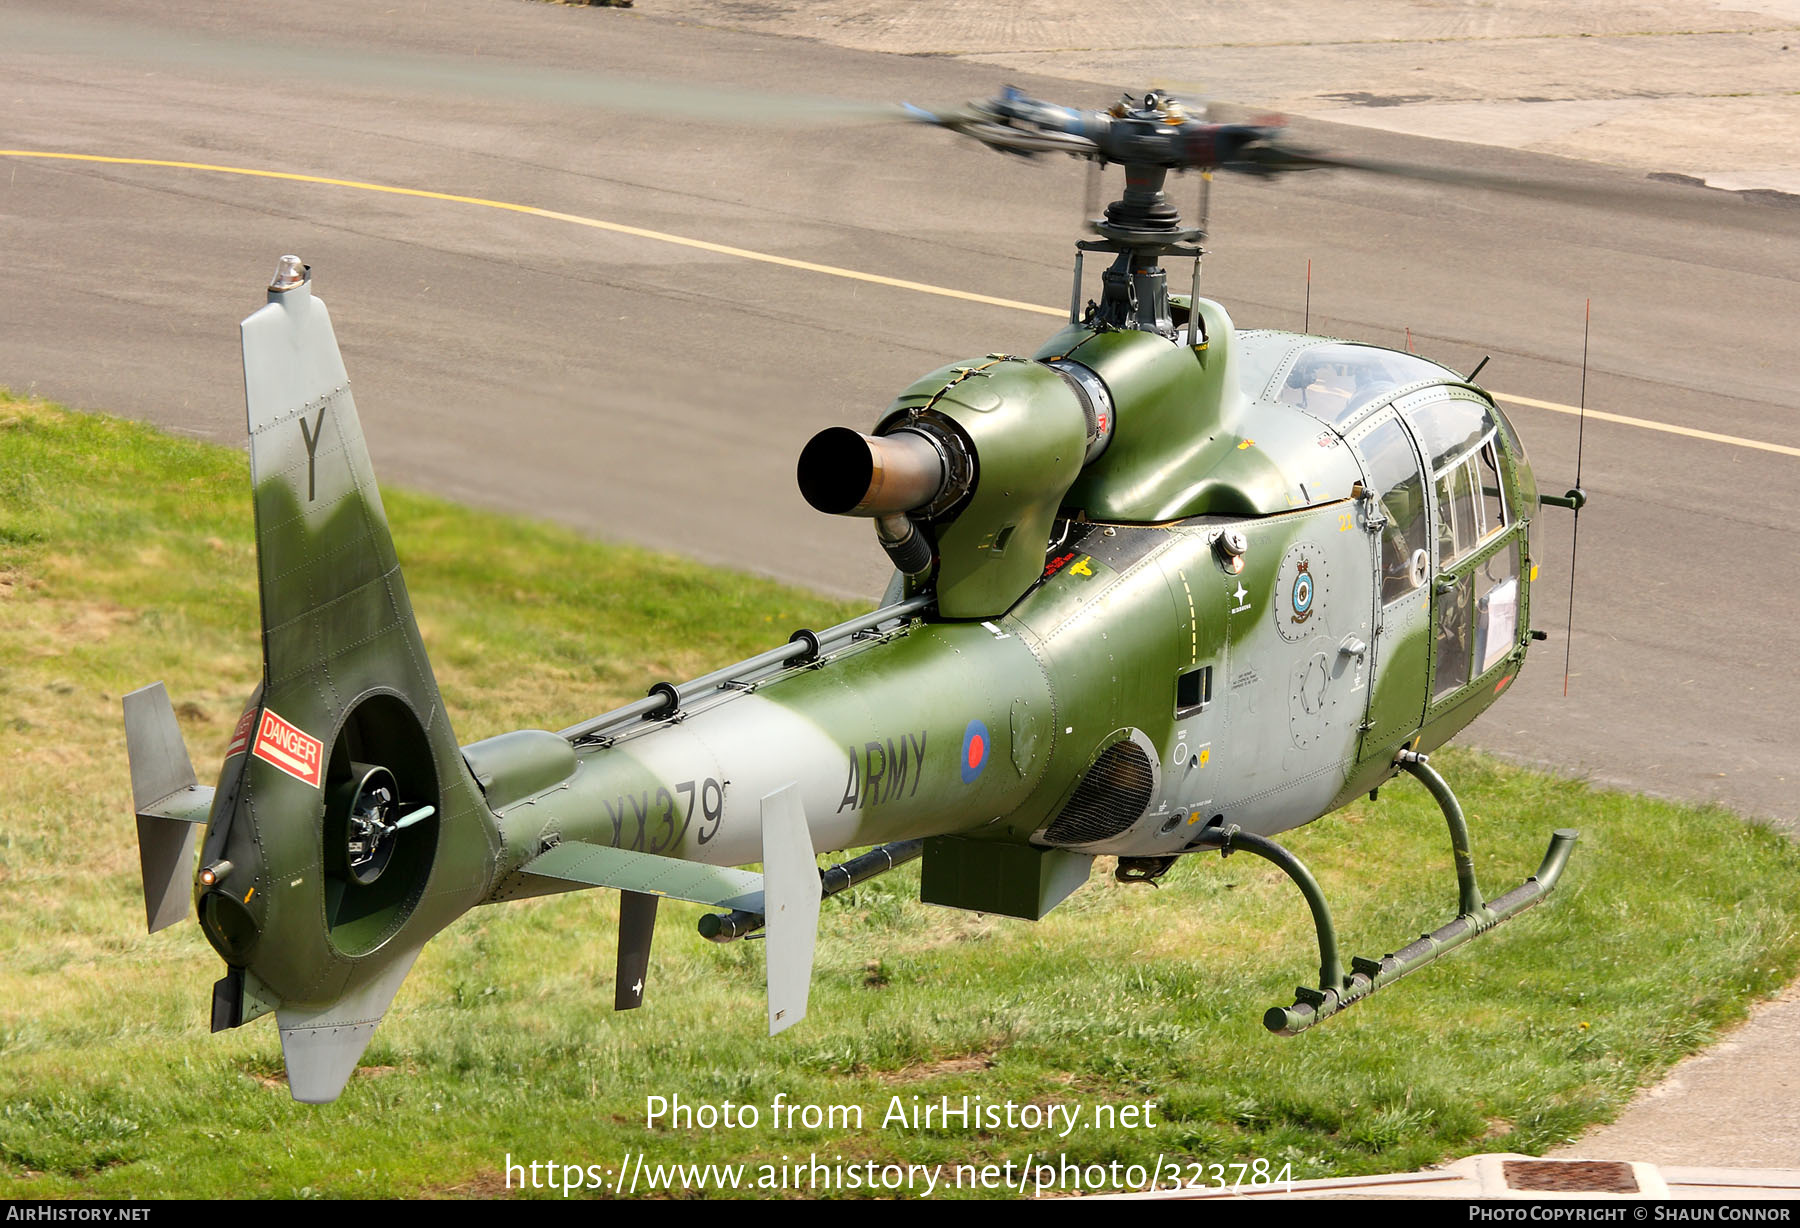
(1161, 586)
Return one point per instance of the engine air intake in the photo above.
(1110, 798)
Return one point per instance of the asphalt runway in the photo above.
(656, 391)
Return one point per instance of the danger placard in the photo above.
(240, 737)
(288, 748)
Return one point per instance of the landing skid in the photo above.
(1474, 918)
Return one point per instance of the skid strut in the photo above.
(1474, 917)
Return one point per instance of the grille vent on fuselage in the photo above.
(1109, 799)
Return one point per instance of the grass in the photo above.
(126, 556)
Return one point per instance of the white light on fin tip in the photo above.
(290, 272)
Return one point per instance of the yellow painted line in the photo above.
(575, 218)
(808, 266)
(1668, 428)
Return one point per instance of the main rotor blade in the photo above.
(1633, 196)
(44, 32)
(1007, 139)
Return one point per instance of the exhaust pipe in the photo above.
(847, 473)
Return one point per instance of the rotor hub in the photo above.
(371, 826)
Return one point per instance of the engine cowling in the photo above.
(968, 466)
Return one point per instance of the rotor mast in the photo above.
(1140, 228)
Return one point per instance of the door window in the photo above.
(1394, 470)
(1456, 599)
(1449, 427)
(1476, 603)
(1496, 607)
(1477, 619)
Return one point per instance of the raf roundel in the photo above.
(1304, 589)
(975, 746)
(1302, 594)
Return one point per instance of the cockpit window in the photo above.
(1334, 381)
(1510, 436)
(1259, 353)
(1449, 428)
(1471, 503)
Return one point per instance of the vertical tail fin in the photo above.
(349, 823)
(347, 687)
(346, 828)
(333, 602)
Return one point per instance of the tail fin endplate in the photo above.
(169, 801)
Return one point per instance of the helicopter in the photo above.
(1161, 586)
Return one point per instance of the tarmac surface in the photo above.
(635, 384)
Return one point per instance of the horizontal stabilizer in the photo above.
(790, 909)
(596, 865)
(169, 802)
